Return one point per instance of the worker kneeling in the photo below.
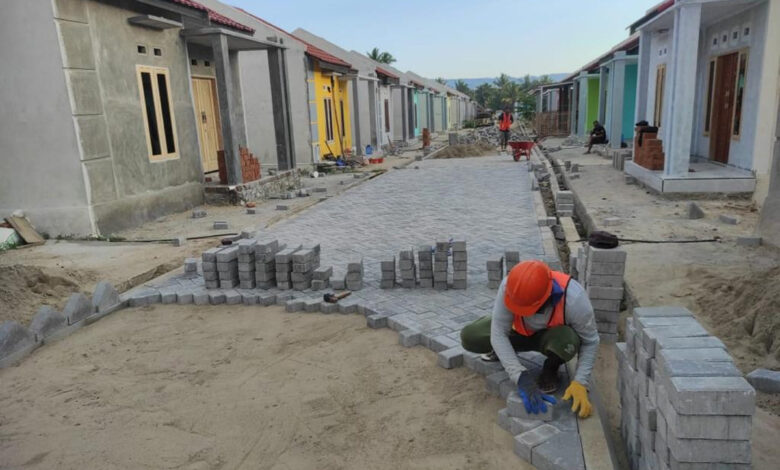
(537, 309)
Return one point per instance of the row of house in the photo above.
(119, 111)
(706, 73)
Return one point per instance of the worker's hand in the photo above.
(579, 395)
(534, 400)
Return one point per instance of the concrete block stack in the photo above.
(459, 265)
(511, 258)
(304, 262)
(495, 271)
(387, 280)
(209, 267)
(227, 267)
(246, 263)
(354, 278)
(321, 278)
(441, 265)
(284, 267)
(425, 263)
(601, 272)
(685, 405)
(564, 203)
(265, 263)
(408, 269)
(648, 149)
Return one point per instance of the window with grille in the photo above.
(328, 119)
(159, 123)
(739, 93)
(710, 91)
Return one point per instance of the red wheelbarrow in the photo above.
(520, 148)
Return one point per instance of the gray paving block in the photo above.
(450, 358)
(294, 305)
(376, 320)
(749, 241)
(190, 265)
(729, 219)
(493, 382)
(670, 422)
(249, 298)
(606, 255)
(409, 338)
(765, 380)
(15, 340)
(46, 322)
(561, 451)
(698, 342)
(610, 269)
(327, 308)
(228, 283)
(603, 280)
(608, 293)
(652, 322)
(517, 409)
(233, 297)
(200, 297)
(216, 298)
(312, 305)
(227, 255)
(266, 299)
(693, 211)
(709, 450)
(711, 395)
(649, 335)
(168, 296)
(442, 342)
(78, 307)
(527, 441)
(105, 298)
(210, 255)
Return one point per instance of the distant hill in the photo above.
(475, 82)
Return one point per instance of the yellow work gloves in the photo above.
(579, 395)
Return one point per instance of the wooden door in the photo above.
(207, 115)
(723, 107)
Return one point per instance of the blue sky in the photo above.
(464, 39)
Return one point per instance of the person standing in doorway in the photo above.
(504, 125)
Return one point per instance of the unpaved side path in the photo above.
(244, 387)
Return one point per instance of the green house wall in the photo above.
(593, 102)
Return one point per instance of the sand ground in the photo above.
(244, 387)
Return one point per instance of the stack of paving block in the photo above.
(685, 405)
(602, 276)
(425, 263)
(304, 262)
(387, 280)
(564, 203)
(246, 263)
(321, 278)
(265, 263)
(354, 278)
(459, 265)
(511, 258)
(408, 269)
(284, 268)
(441, 265)
(227, 267)
(209, 267)
(495, 271)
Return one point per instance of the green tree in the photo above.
(441, 80)
(483, 94)
(381, 57)
(463, 87)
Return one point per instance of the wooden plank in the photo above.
(25, 230)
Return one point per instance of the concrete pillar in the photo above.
(769, 222)
(681, 91)
(356, 137)
(603, 82)
(227, 106)
(582, 126)
(574, 105)
(372, 91)
(277, 69)
(404, 113)
(643, 76)
(617, 79)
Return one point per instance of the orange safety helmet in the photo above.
(527, 288)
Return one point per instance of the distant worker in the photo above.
(538, 309)
(504, 124)
(598, 135)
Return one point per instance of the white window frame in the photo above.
(164, 144)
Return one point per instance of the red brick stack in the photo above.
(650, 153)
(250, 166)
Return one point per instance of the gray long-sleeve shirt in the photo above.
(578, 314)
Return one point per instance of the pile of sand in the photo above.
(479, 149)
(744, 311)
(23, 289)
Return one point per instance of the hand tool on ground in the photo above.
(333, 298)
(534, 400)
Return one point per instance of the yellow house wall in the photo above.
(336, 89)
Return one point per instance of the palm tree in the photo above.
(381, 57)
(441, 80)
(463, 87)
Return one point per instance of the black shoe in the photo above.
(548, 380)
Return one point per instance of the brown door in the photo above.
(723, 107)
(204, 91)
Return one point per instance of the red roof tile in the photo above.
(311, 49)
(214, 17)
(386, 73)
